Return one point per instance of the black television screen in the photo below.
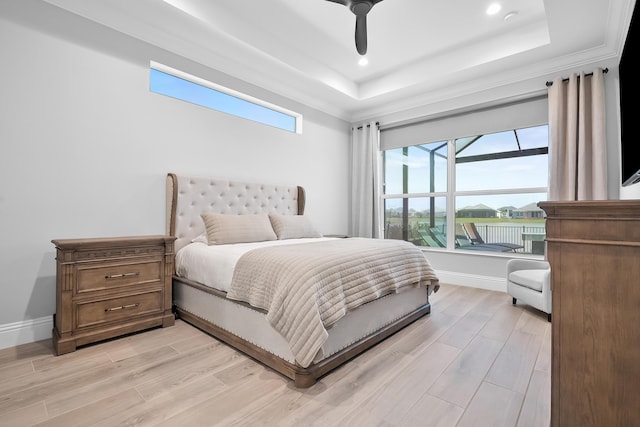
(629, 92)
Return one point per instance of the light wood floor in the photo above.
(476, 360)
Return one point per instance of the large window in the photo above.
(469, 193)
(177, 84)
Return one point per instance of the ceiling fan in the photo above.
(360, 8)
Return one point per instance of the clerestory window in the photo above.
(180, 85)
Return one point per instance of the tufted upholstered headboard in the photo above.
(190, 196)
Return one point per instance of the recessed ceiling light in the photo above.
(493, 8)
(363, 61)
(510, 15)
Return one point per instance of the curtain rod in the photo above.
(605, 71)
(360, 127)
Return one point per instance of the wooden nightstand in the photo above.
(107, 287)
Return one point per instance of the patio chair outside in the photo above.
(438, 236)
(429, 239)
(464, 241)
(476, 239)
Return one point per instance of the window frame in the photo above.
(451, 194)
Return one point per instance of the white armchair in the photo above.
(530, 281)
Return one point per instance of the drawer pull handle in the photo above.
(118, 276)
(122, 307)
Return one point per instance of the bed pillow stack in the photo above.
(224, 229)
(292, 226)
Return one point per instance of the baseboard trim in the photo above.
(474, 281)
(26, 331)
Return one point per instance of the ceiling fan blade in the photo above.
(361, 34)
(360, 8)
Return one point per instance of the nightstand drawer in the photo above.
(113, 276)
(111, 286)
(98, 312)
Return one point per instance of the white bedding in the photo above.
(195, 258)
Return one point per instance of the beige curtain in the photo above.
(365, 181)
(577, 147)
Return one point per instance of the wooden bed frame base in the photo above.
(302, 377)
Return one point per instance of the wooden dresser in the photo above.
(106, 287)
(594, 251)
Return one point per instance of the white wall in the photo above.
(86, 148)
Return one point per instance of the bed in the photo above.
(330, 298)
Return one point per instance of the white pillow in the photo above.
(201, 238)
(292, 226)
(223, 229)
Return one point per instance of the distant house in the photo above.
(506, 211)
(530, 211)
(477, 211)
